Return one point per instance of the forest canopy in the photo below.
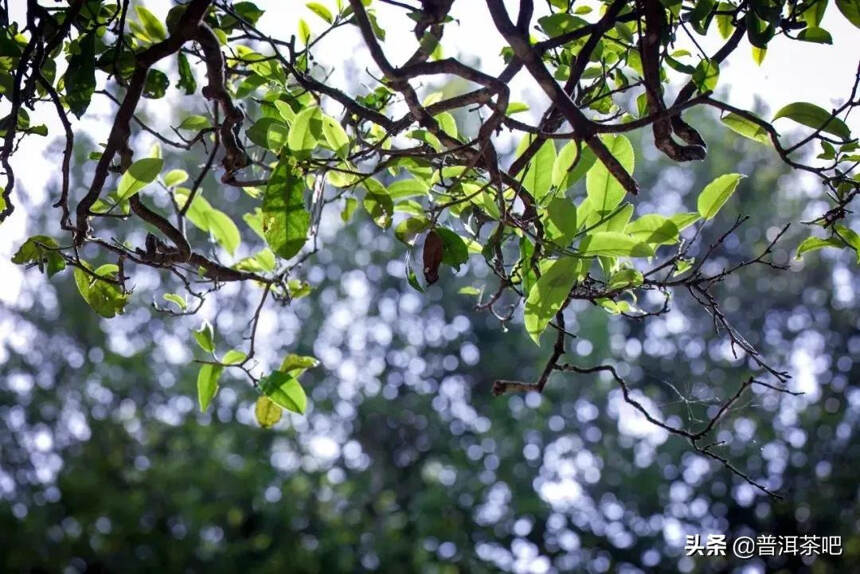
(556, 223)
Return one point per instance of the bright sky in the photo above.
(792, 71)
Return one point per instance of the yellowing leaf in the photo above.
(267, 412)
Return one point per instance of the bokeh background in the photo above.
(405, 462)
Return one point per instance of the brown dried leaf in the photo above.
(433, 248)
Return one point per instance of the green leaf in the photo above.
(684, 220)
(746, 128)
(678, 67)
(248, 11)
(682, 266)
(205, 337)
(178, 300)
(263, 260)
(223, 229)
(153, 26)
(106, 299)
(378, 203)
(563, 162)
(562, 223)
(851, 237)
(285, 390)
(583, 165)
(411, 277)
(267, 412)
(80, 78)
(175, 177)
(724, 21)
(625, 278)
(549, 293)
(408, 229)
(816, 35)
(320, 11)
(538, 177)
(447, 123)
(614, 220)
(107, 270)
(335, 136)
(413, 208)
(614, 244)
(156, 84)
(186, 76)
(305, 131)
(560, 23)
(706, 75)
(285, 219)
(653, 228)
(269, 133)
(851, 10)
(139, 175)
(195, 123)
(427, 138)
(516, 107)
(469, 290)
(304, 32)
(814, 117)
(406, 188)
(700, 16)
(815, 12)
(213, 221)
(286, 112)
(759, 32)
(614, 307)
(41, 250)
(254, 220)
(816, 243)
(298, 289)
(454, 249)
(295, 365)
(349, 207)
(207, 384)
(233, 357)
(716, 193)
(604, 191)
